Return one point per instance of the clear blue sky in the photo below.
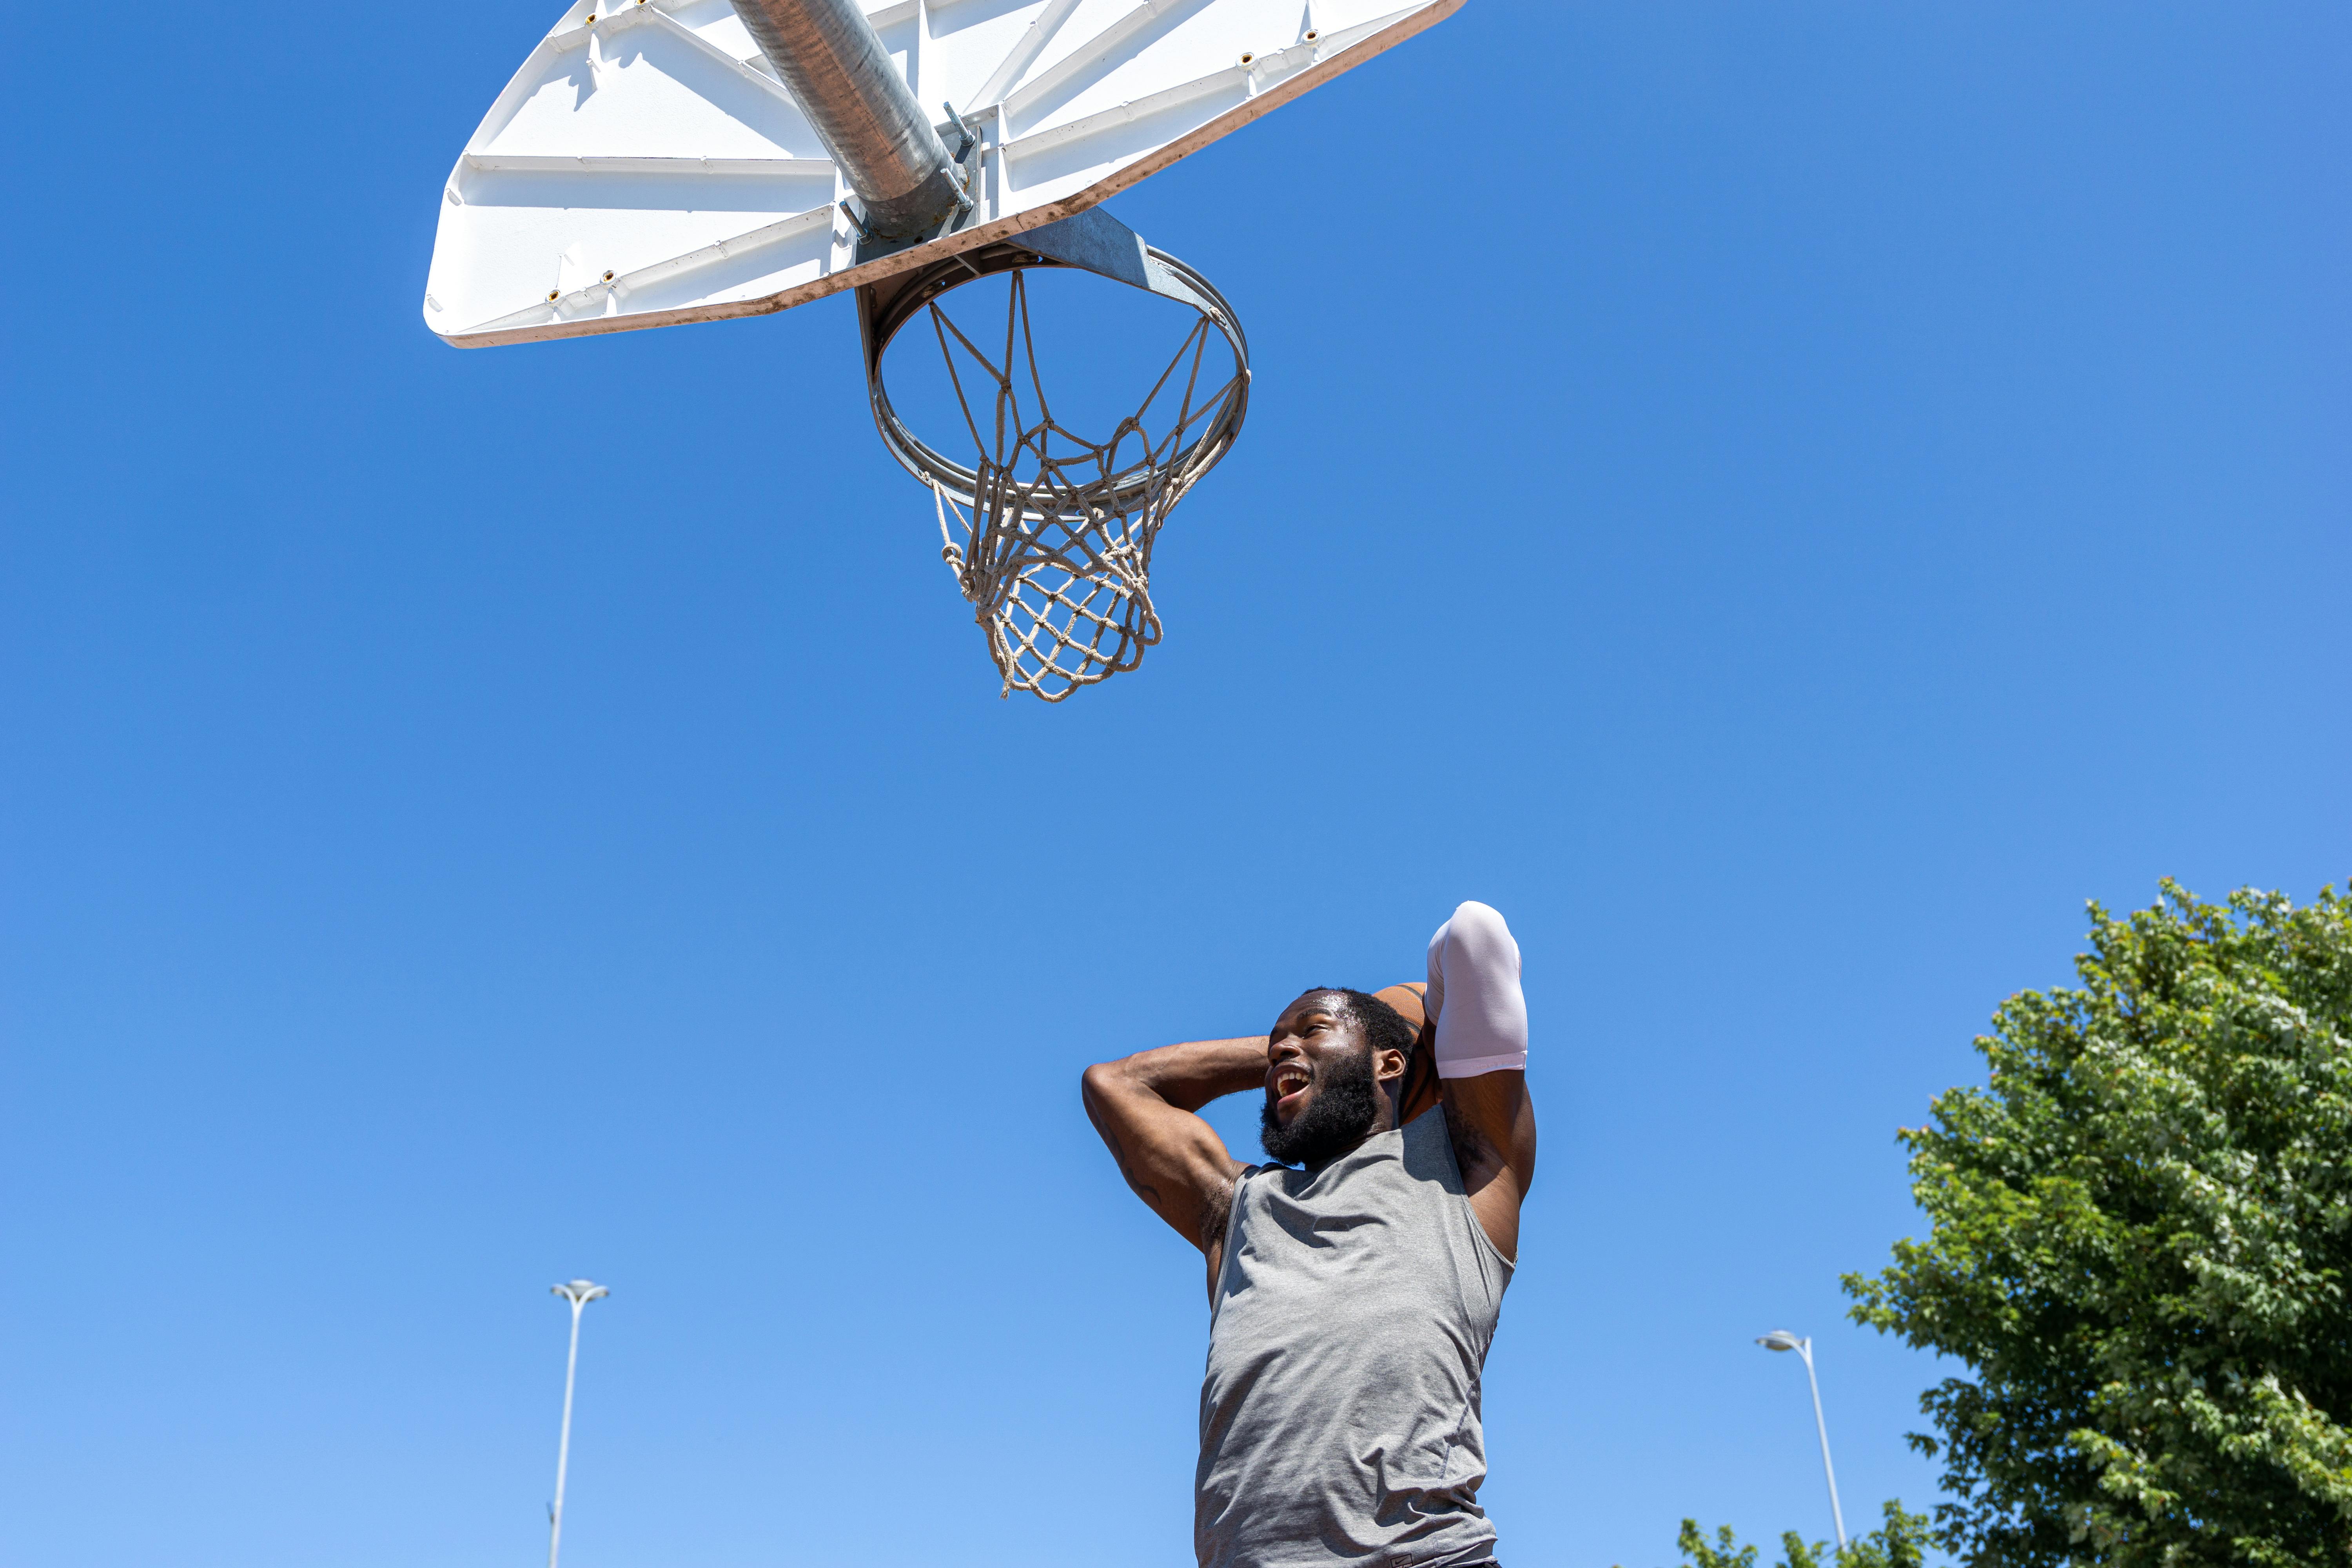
(1785, 501)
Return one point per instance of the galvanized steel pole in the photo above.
(838, 70)
(1837, 1514)
(579, 1292)
(1783, 1340)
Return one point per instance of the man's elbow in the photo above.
(1481, 929)
(1100, 1083)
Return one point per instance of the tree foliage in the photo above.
(1900, 1542)
(2139, 1237)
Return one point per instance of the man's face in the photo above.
(1323, 1084)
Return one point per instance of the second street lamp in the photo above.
(1783, 1340)
(579, 1292)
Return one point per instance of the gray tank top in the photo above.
(1351, 1319)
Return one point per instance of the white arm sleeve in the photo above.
(1475, 995)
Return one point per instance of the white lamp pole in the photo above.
(1783, 1340)
(579, 1292)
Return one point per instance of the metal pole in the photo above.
(579, 1292)
(1837, 1514)
(834, 63)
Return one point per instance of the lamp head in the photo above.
(1781, 1340)
(579, 1291)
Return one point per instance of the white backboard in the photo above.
(645, 168)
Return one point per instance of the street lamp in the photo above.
(579, 1292)
(1783, 1340)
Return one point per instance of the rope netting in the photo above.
(1051, 539)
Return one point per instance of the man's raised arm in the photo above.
(1143, 1104)
(1480, 1040)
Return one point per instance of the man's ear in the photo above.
(1421, 1086)
(1422, 1089)
(1388, 1067)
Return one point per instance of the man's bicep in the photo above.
(1171, 1158)
(1493, 1111)
(1480, 1038)
(1492, 1124)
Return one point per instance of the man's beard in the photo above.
(1339, 1118)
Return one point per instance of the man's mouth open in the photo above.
(1288, 1082)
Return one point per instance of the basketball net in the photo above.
(1052, 540)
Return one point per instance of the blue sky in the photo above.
(1786, 502)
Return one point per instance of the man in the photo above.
(1355, 1283)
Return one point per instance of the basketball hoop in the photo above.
(1049, 532)
(659, 162)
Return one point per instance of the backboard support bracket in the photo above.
(1092, 241)
(956, 134)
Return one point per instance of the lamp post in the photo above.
(1783, 1340)
(579, 1292)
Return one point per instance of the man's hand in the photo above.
(1142, 1106)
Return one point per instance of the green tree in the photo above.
(2139, 1237)
(1726, 1552)
(1900, 1542)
